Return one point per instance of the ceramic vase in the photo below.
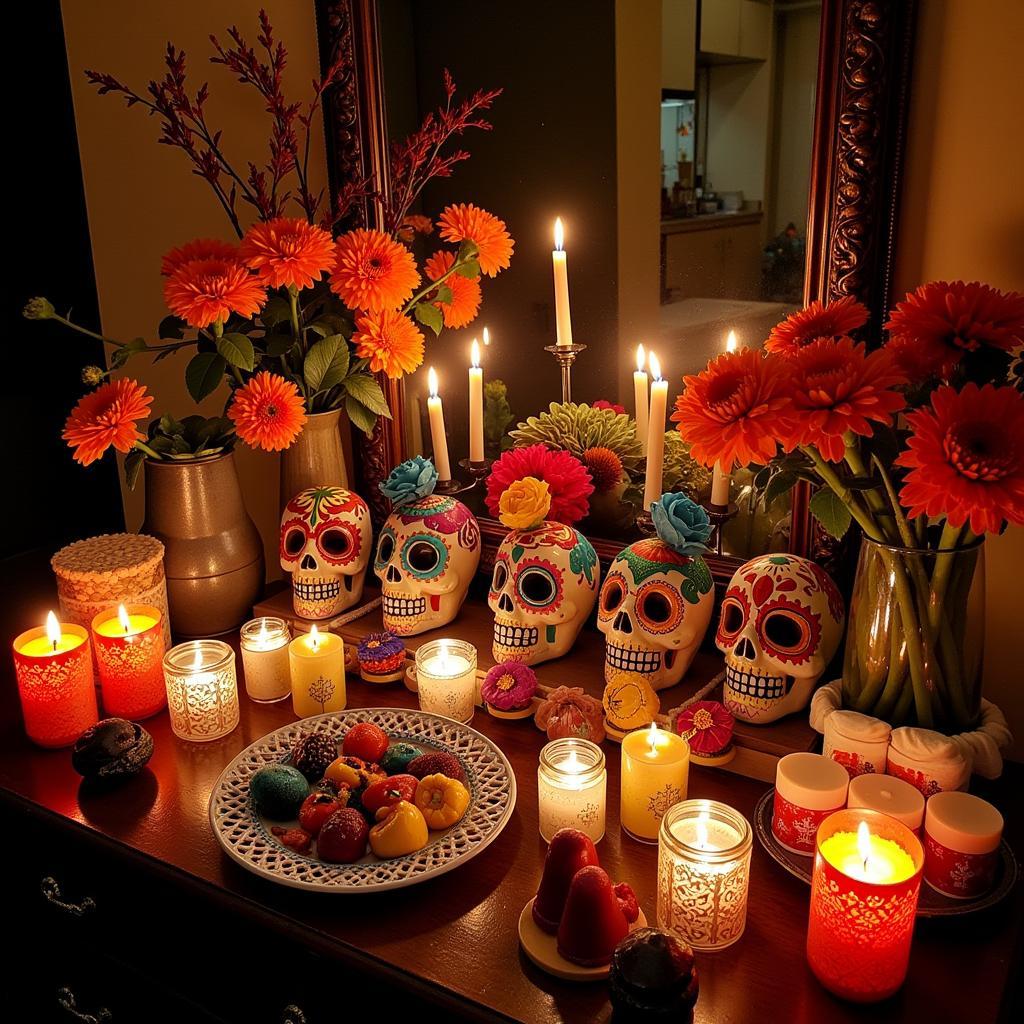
(316, 458)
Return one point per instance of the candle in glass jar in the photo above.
(655, 768)
(53, 665)
(563, 321)
(640, 399)
(129, 645)
(264, 644)
(317, 668)
(438, 437)
(202, 690)
(864, 892)
(476, 405)
(572, 787)
(655, 435)
(446, 679)
(703, 873)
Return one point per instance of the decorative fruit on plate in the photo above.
(296, 839)
(568, 852)
(365, 740)
(278, 790)
(653, 978)
(437, 762)
(353, 772)
(313, 753)
(342, 838)
(396, 760)
(593, 922)
(399, 830)
(442, 801)
(317, 808)
(387, 792)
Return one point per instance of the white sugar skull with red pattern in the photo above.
(780, 625)
(325, 544)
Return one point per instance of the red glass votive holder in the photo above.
(58, 697)
(860, 928)
(130, 661)
(808, 788)
(961, 844)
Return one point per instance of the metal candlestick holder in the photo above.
(566, 356)
(645, 523)
(719, 516)
(477, 470)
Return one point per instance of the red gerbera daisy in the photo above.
(568, 480)
(288, 252)
(268, 412)
(202, 292)
(837, 386)
(735, 410)
(966, 457)
(931, 329)
(818, 320)
(199, 249)
(464, 221)
(373, 271)
(105, 417)
(465, 304)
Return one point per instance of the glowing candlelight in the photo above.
(655, 435)
(655, 772)
(316, 664)
(640, 399)
(563, 322)
(446, 679)
(572, 788)
(476, 403)
(264, 644)
(129, 646)
(438, 437)
(202, 691)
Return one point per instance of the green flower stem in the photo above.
(434, 285)
(857, 467)
(143, 447)
(948, 542)
(902, 523)
(293, 306)
(218, 332)
(169, 346)
(848, 497)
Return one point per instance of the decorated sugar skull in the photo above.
(543, 588)
(326, 539)
(780, 624)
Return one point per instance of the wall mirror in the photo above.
(715, 163)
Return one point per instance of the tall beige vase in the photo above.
(213, 554)
(316, 458)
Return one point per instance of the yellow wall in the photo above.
(962, 216)
(141, 197)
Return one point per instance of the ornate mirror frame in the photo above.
(860, 120)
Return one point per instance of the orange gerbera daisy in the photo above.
(837, 386)
(966, 458)
(202, 292)
(734, 411)
(464, 221)
(818, 320)
(373, 271)
(105, 417)
(199, 249)
(413, 225)
(391, 341)
(268, 412)
(288, 252)
(465, 304)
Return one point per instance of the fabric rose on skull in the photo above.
(681, 523)
(413, 479)
(524, 503)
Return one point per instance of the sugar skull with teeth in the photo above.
(325, 544)
(427, 554)
(543, 588)
(780, 625)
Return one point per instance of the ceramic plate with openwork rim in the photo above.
(247, 839)
(929, 904)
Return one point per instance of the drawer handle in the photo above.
(292, 1015)
(51, 890)
(66, 998)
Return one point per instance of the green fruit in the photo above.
(397, 758)
(278, 790)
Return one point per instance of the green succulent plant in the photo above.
(575, 428)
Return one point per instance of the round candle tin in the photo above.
(961, 842)
(808, 788)
(889, 795)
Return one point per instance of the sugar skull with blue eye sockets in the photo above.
(427, 554)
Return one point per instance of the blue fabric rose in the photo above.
(413, 479)
(681, 523)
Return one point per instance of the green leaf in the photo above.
(277, 344)
(365, 390)
(429, 315)
(470, 269)
(360, 416)
(467, 250)
(778, 485)
(828, 508)
(237, 350)
(132, 467)
(326, 363)
(443, 294)
(277, 310)
(171, 327)
(203, 374)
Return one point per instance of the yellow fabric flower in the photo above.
(524, 503)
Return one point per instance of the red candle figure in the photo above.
(53, 665)
(129, 644)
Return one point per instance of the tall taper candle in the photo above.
(439, 439)
(563, 323)
(721, 476)
(640, 398)
(476, 406)
(655, 435)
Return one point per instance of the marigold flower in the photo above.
(268, 412)
(107, 416)
(203, 292)
(524, 504)
(567, 478)
(391, 341)
(462, 222)
(465, 304)
(373, 271)
(818, 320)
(198, 249)
(605, 468)
(966, 458)
(288, 252)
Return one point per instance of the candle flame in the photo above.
(263, 631)
(487, 337)
(52, 629)
(702, 830)
(122, 615)
(641, 358)
(559, 234)
(730, 342)
(572, 763)
(655, 365)
(864, 844)
(443, 656)
(652, 738)
(474, 352)
(197, 661)
(314, 638)
(432, 382)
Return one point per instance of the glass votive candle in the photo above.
(655, 771)
(572, 785)
(264, 644)
(703, 873)
(202, 691)
(129, 645)
(864, 890)
(316, 665)
(446, 679)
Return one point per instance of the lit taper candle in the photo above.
(655, 435)
(640, 398)
(563, 322)
(476, 405)
(438, 437)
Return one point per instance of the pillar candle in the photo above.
(962, 837)
(438, 437)
(572, 785)
(655, 436)
(889, 795)
(476, 406)
(53, 665)
(640, 399)
(563, 323)
(265, 662)
(655, 769)
(446, 679)
(317, 663)
(808, 788)
(202, 690)
(129, 645)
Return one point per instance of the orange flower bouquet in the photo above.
(920, 442)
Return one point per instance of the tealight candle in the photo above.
(202, 691)
(53, 665)
(317, 670)
(864, 891)
(962, 836)
(808, 788)
(129, 645)
(889, 795)
(704, 873)
(265, 661)
(446, 679)
(655, 769)
(572, 785)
